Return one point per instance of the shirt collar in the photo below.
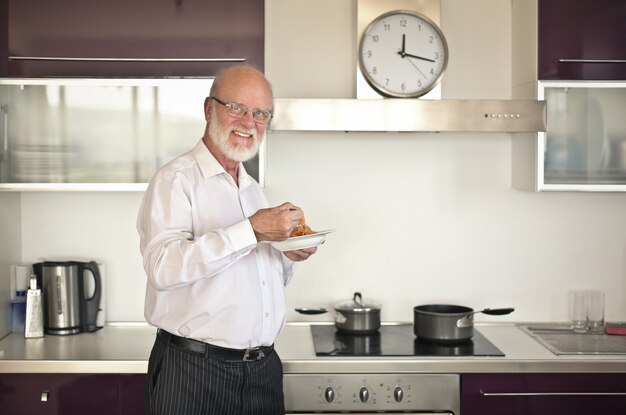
(209, 166)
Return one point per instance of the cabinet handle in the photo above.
(111, 59)
(44, 396)
(5, 132)
(552, 393)
(566, 60)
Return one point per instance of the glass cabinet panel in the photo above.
(584, 147)
(98, 131)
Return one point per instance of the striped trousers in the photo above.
(182, 382)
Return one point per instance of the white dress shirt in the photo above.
(208, 278)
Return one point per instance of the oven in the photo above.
(342, 389)
(372, 393)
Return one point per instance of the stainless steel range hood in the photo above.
(409, 115)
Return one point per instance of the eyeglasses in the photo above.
(237, 110)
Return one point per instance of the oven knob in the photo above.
(364, 395)
(398, 394)
(329, 394)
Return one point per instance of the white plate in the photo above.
(301, 242)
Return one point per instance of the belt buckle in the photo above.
(252, 354)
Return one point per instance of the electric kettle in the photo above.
(67, 308)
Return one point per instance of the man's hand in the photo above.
(300, 254)
(275, 224)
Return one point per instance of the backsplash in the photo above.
(420, 217)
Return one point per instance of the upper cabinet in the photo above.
(99, 94)
(121, 38)
(98, 134)
(582, 40)
(572, 55)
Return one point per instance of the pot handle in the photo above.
(497, 311)
(358, 302)
(467, 319)
(311, 311)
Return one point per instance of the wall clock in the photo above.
(402, 54)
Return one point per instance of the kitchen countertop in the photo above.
(125, 348)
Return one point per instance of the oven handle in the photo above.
(368, 413)
(483, 393)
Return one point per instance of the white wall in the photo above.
(10, 253)
(420, 217)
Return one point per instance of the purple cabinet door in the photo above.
(543, 394)
(52, 38)
(61, 394)
(132, 388)
(577, 37)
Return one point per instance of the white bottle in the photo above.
(33, 326)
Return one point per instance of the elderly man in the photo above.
(214, 292)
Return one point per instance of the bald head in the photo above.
(237, 77)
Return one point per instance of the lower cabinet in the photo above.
(132, 388)
(543, 394)
(52, 394)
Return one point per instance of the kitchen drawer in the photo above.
(543, 394)
(61, 394)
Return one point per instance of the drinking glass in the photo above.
(578, 310)
(595, 311)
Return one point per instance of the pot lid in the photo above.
(357, 305)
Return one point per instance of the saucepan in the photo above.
(445, 323)
(353, 316)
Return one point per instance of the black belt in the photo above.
(249, 354)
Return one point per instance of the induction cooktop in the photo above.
(394, 340)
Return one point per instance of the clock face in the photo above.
(403, 54)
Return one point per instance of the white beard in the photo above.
(219, 136)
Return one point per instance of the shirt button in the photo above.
(267, 314)
(262, 282)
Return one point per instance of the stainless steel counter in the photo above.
(125, 349)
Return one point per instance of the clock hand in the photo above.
(403, 42)
(417, 57)
(415, 66)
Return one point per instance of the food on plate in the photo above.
(302, 229)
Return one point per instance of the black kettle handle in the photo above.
(91, 304)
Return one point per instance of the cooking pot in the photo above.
(444, 323)
(356, 317)
(353, 316)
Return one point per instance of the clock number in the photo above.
(403, 86)
(375, 38)
(374, 70)
(431, 39)
(436, 55)
(386, 27)
(368, 53)
(432, 71)
(403, 22)
(386, 81)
